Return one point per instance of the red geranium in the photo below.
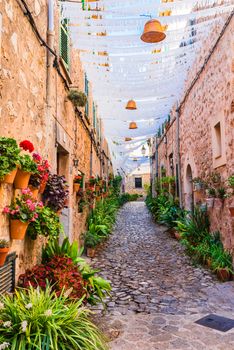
(27, 146)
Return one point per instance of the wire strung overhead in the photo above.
(122, 67)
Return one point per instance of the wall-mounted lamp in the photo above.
(143, 150)
(75, 162)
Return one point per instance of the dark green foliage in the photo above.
(9, 155)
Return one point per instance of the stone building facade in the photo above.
(138, 181)
(199, 140)
(34, 85)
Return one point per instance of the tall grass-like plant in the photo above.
(39, 320)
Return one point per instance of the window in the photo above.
(87, 94)
(217, 141)
(64, 47)
(138, 182)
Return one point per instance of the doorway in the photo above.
(189, 197)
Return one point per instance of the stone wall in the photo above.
(34, 106)
(209, 103)
(130, 184)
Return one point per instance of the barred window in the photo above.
(64, 46)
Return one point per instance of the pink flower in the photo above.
(37, 157)
(26, 191)
(6, 210)
(35, 216)
(33, 219)
(40, 204)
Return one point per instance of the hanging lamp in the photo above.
(128, 139)
(133, 125)
(153, 32)
(131, 105)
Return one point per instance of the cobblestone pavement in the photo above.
(152, 280)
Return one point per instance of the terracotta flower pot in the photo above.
(34, 191)
(91, 252)
(9, 178)
(97, 188)
(3, 255)
(76, 187)
(231, 209)
(98, 198)
(223, 275)
(18, 229)
(42, 187)
(177, 235)
(59, 212)
(21, 179)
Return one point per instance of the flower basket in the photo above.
(21, 179)
(210, 202)
(76, 187)
(34, 191)
(91, 252)
(18, 229)
(9, 178)
(3, 255)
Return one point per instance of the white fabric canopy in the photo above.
(122, 67)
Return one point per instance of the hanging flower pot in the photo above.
(34, 191)
(9, 178)
(42, 187)
(21, 179)
(4, 249)
(76, 187)
(18, 229)
(133, 125)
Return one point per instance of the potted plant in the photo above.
(56, 192)
(222, 263)
(37, 182)
(92, 181)
(91, 241)
(22, 210)
(26, 167)
(78, 98)
(221, 195)
(211, 192)
(4, 249)
(9, 159)
(78, 180)
(198, 184)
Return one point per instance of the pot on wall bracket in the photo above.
(21, 179)
(3, 255)
(9, 178)
(18, 229)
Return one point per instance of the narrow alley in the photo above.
(157, 293)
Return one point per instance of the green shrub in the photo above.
(9, 155)
(39, 320)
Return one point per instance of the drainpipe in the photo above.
(49, 73)
(91, 158)
(178, 156)
(156, 161)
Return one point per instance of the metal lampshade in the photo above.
(131, 105)
(133, 125)
(128, 139)
(153, 32)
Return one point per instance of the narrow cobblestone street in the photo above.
(157, 292)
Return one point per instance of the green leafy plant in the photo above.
(27, 164)
(222, 193)
(78, 98)
(231, 180)
(4, 243)
(46, 224)
(9, 155)
(91, 240)
(36, 319)
(211, 192)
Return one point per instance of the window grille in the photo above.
(65, 43)
(7, 274)
(138, 182)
